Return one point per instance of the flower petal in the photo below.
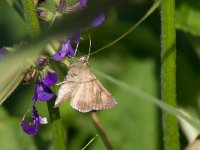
(60, 55)
(44, 93)
(28, 128)
(33, 127)
(98, 20)
(66, 49)
(50, 79)
(43, 120)
(83, 3)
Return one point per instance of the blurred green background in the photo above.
(134, 124)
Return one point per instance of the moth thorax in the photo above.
(83, 59)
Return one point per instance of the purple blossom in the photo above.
(66, 49)
(83, 3)
(50, 78)
(98, 20)
(42, 89)
(42, 92)
(33, 127)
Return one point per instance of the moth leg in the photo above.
(60, 83)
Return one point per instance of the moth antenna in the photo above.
(89, 47)
(76, 48)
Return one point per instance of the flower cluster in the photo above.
(66, 47)
(43, 93)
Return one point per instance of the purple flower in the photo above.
(98, 20)
(83, 3)
(42, 89)
(33, 127)
(42, 92)
(66, 49)
(50, 78)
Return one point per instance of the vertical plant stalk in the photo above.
(32, 22)
(31, 18)
(168, 73)
(101, 131)
(56, 125)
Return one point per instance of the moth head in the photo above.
(82, 63)
(83, 59)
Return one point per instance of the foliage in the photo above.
(133, 62)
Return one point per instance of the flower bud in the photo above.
(42, 61)
(44, 14)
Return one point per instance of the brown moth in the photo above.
(86, 92)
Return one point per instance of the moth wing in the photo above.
(91, 96)
(65, 92)
(67, 88)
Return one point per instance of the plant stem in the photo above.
(56, 125)
(168, 72)
(101, 131)
(31, 18)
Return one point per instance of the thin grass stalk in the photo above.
(168, 73)
(101, 131)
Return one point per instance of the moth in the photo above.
(86, 92)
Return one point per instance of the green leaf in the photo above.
(14, 83)
(14, 65)
(187, 17)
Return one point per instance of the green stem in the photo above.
(31, 18)
(101, 131)
(56, 125)
(168, 73)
